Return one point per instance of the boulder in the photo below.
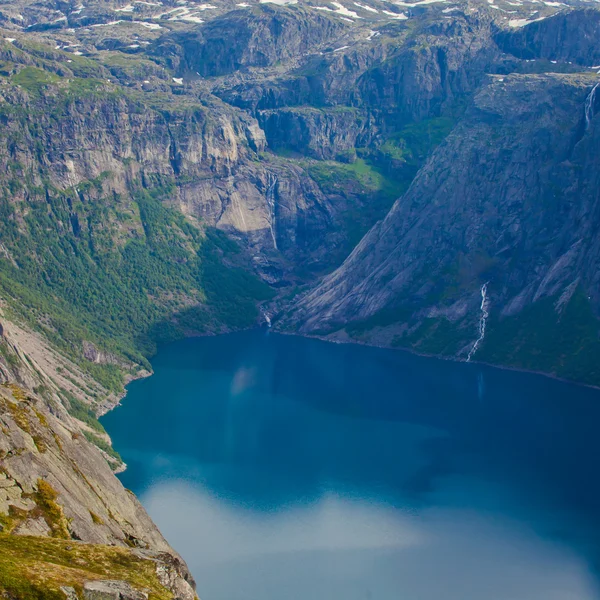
(112, 590)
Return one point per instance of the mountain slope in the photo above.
(509, 200)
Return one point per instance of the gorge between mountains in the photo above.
(183, 183)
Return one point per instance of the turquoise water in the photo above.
(283, 468)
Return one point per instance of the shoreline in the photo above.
(442, 357)
(144, 374)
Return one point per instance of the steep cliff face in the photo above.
(57, 485)
(510, 201)
(439, 65)
(260, 37)
(568, 36)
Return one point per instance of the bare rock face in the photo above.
(318, 133)
(256, 38)
(69, 592)
(40, 446)
(111, 590)
(568, 36)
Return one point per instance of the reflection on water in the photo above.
(286, 468)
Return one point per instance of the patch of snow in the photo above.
(342, 10)
(149, 25)
(366, 7)
(279, 2)
(169, 12)
(133, 46)
(450, 9)
(243, 4)
(128, 8)
(401, 16)
(342, 48)
(518, 22)
(107, 24)
(558, 4)
(205, 7)
(413, 4)
(11, 40)
(178, 80)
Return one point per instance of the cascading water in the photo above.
(589, 105)
(266, 317)
(482, 321)
(271, 203)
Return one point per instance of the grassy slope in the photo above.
(35, 568)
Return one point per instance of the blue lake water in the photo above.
(284, 468)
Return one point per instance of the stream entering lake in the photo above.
(285, 468)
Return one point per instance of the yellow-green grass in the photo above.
(34, 568)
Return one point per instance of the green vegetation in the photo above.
(539, 339)
(35, 568)
(380, 175)
(382, 318)
(45, 498)
(103, 445)
(438, 336)
(82, 277)
(34, 80)
(405, 152)
(81, 411)
(358, 180)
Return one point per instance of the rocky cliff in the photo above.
(505, 207)
(66, 522)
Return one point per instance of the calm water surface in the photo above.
(283, 468)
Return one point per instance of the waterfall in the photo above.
(482, 321)
(266, 316)
(589, 105)
(271, 203)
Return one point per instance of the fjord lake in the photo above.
(284, 468)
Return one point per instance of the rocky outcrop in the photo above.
(569, 36)
(258, 38)
(438, 66)
(319, 133)
(112, 590)
(56, 484)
